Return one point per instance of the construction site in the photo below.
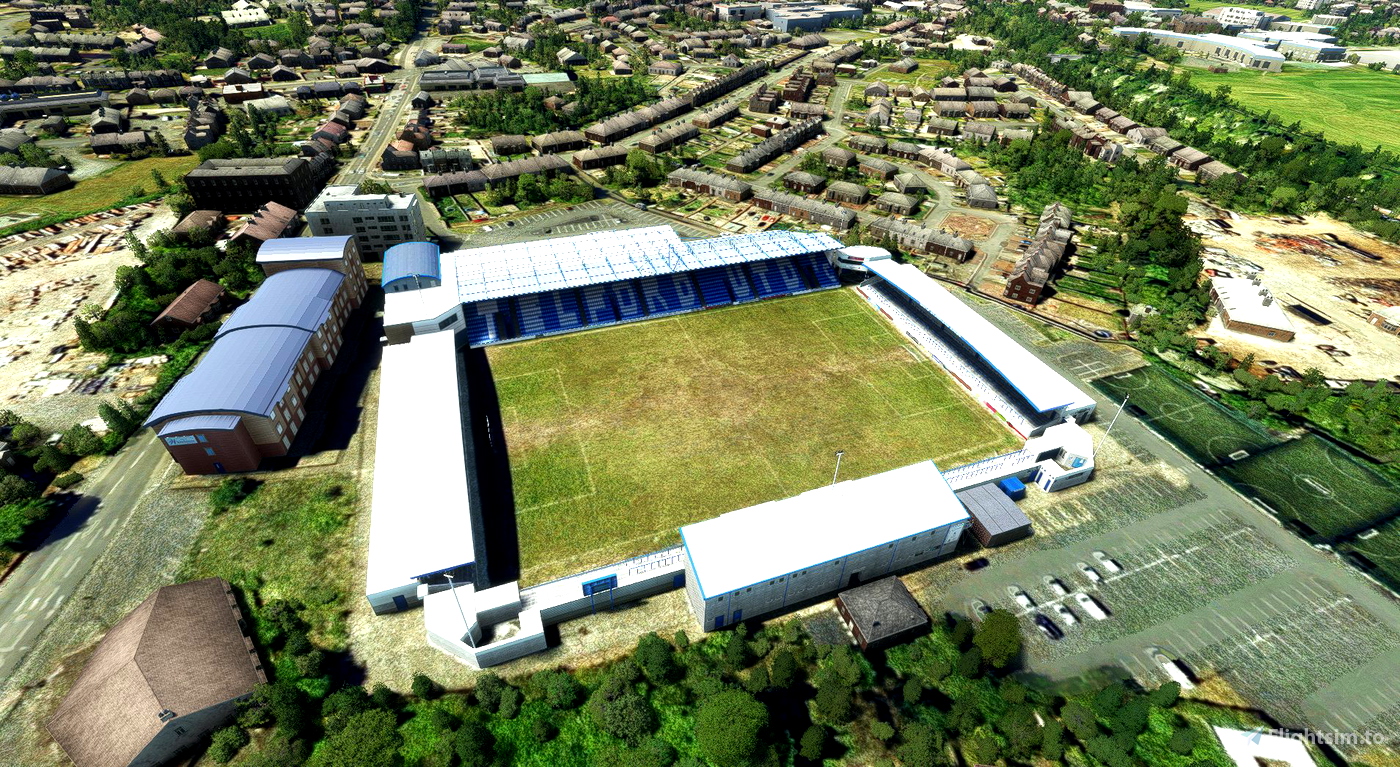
(48, 277)
(1327, 277)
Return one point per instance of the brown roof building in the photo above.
(161, 680)
(882, 613)
(198, 304)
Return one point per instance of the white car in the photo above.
(1066, 615)
(1022, 598)
(1056, 587)
(1091, 606)
(1090, 572)
(1107, 562)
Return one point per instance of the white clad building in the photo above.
(776, 555)
(1234, 16)
(376, 221)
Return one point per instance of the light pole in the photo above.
(1115, 419)
(471, 641)
(837, 473)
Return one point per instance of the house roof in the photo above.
(181, 650)
(295, 298)
(244, 372)
(192, 303)
(883, 609)
(993, 509)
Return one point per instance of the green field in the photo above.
(1206, 430)
(1201, 6)
(618, 436)
(1352, 105)
(1311, 482)
(103, 191)
(1383, 550)
(929, 72)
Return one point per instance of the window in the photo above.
(201, 438)
(279, 427)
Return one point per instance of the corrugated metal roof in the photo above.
(244, 372)
(994, 509)
(302, 249)
(1043, 388)
(411, 259)
(296, 298)
(210, 422)
(770, 540)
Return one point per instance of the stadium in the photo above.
(572, 423)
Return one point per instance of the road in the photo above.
(38, 587)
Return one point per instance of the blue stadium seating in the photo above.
(776, 277)
(598, 306)
(714, 288)
(816, 271)
(484, 325)
(624, 297)
(739, 283)
(530, 314)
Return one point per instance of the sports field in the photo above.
(1312, 482)
(1351, 105)
(618, 436)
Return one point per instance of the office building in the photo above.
(376, 221)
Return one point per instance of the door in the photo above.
(738, 615)
(400, 603)
(678, 582)
(719, 622)
(218, 468)
(854, 580)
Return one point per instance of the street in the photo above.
(38, 587)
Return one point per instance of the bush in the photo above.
(656, 658)
(834, 704)
(813, 743)
(52, 460)
(558, 689)
(882, 730)
(231, 492)
(510, 703)
(1183, 741)
(913, 692)
(474, 744)
(368, 738)
(488, 691)
(226, 744)
(656, 752)
(1166, 695)
(544, 730)
(339, 706)
(922, 745)
(681, 639)
(424, 688)
(727, 727)
(81, 441)
(65, 481)
(14, 489)
(25, 434)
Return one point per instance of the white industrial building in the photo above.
(1250, 54)
(1242, 18)
(769, 557)
(427, 542)
(376, 221)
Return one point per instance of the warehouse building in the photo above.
(996, 519)
(767, 558)
(1235, 50)
(246, 399)
(376, 221)
(161, 680)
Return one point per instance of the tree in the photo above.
(913, 692)
(81, 441)
(369, 739)
(558, 689)
(1080, 720)
(374, 186)
(727, 727)
(25, 434)
(999, 638)
(618, 708)
(14, 489)
(1166, 695)
(923, 745)
(226, 743)
(15, 518)
(970, 662)
(52, 460)
(1052, 740)
(813, 743)
(286, 704)
(488, 691)
(1183, 741)
(474, 744)
(736, 653)
(656, 657)
(424, 688)
(783, 669)
(834, 696)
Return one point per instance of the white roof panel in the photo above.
(763, 542)
(1042, 387)
(419, 523)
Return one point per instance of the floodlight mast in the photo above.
(471, 641)
(1109, 430)
(837, 473)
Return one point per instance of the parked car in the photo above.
(1048, 627)
(973, 565)
(1022, 598)
(1107, 562)
(1091, 606)
(980, 609)
(1056, 587)
(1089, 572)
(1066, 615)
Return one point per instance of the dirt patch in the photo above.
(973, 228)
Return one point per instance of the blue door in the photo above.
(719, 622)
(400, 603)
(218, 467)
(738, 615)
(678, 582)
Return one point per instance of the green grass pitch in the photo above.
(618, 436)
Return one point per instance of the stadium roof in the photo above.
(773, 539)
(523, 268)
(244, 372)
(1043, 388)
(419, 520)
(296, 298)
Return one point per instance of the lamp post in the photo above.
(471, 641)
(837, 473)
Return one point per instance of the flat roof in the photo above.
(1043, 388)
(1244, 302)
(419, 518)
(772, 539)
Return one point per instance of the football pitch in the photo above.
(618, 436)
